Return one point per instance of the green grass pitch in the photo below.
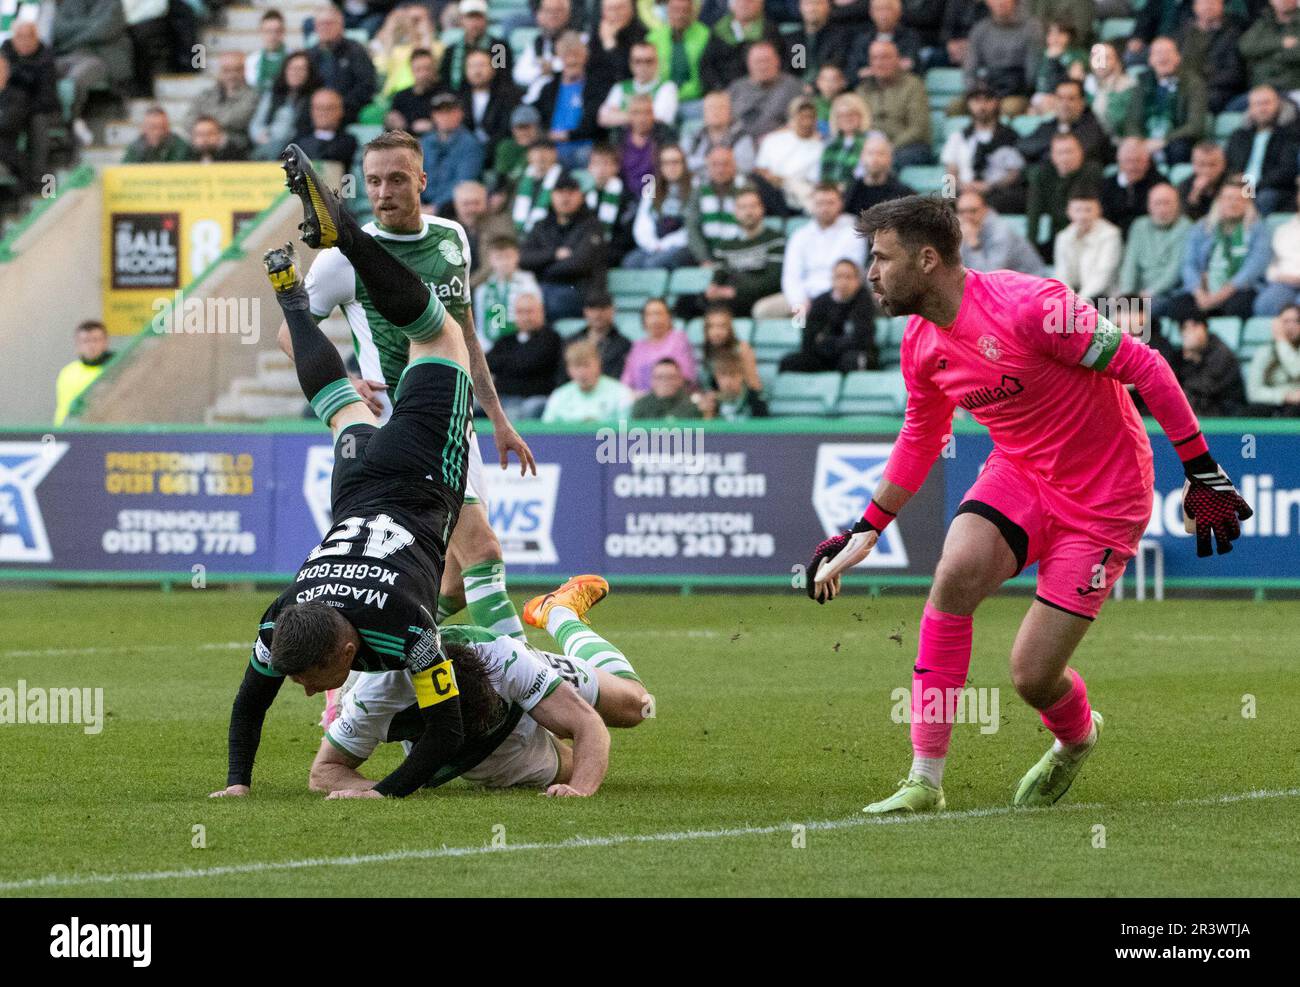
(771, 712)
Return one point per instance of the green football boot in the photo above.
(915, 795)
(1054, 773)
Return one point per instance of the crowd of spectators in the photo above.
(574, 137)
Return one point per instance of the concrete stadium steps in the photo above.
(236, 409)
(223, 41)
(247, 18)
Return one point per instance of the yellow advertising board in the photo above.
(164, 224)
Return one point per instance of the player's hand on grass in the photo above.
(355, 793)
(368, 389)
(508, 441)
(232, 791)
(835, 556)
(565, 791)
(1212, 505)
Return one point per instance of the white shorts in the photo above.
(475, 492)
(526, 758)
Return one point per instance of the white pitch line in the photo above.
(118, 648)
(587, 842)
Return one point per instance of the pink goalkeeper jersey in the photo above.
(1028, 360)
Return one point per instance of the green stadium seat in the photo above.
(1225, 124)
(1117, 28)
(452, 35)
(938, 119)
(774, 223)
(794, 223)
(1256, 333)
(67, 89)
(522, 37)
(923, 178)
(1274, 220)
(358, 34)
(567, 327)
(774, 338)
(744, 328)
(889, 331)
(1227, 328)
(1180, 172)
(952, 125)
(631, 288)
(365, 132)
(804, 394)
(872, 392)
(629, 324)
(767, 372)
(944, 82)
(1026, 124)
(689, 281)
(695, 333)
(1017, 222)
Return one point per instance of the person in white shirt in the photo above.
(645, 81)
(496, 297)
(811, 254)
(1089, 250)
(1283, 275)
(589, 396)
(540, 60)
(790, 159)
(1273, 379)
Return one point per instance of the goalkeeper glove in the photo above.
(828, 552)
(1212, 504)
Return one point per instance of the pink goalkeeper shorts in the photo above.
(1079, 559)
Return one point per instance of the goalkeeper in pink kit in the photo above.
(1068, 484)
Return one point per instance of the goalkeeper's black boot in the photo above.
(282, 271)
(324, 224)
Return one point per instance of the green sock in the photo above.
(449, 606)
(485, 595)
(577, 640)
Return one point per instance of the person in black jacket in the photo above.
(570, 103)
(1267, 119)
(1072, 116)
(327, 140)
(488, 97)
(344, 65)
(412, 108)
(822, 42)
(525, 365)
(566, 251)
(723, 61)
(615, 28)
(15, 112)
(1209, 372)
(1208, 44)
(1124, 194)
(840, 333)
(32, 70)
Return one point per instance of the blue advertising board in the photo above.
(723, 505)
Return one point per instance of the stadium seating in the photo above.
(567, 327)
(633, 288)
(774, 338)
(1225, 124)
(1026, 125)
(629, 324)
(1227, 328)
(688, 281)
(1256, 332)
(1117, 28)
(872, 392)
(804, 394)
(1017, 222)
(923, 178)
(943, 86)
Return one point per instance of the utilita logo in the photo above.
(981, 396)
(75, 941)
